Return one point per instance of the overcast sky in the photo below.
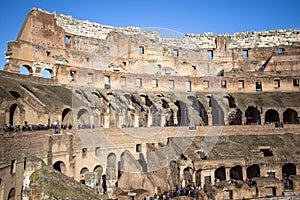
(184, 16)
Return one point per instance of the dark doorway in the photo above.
(252, 115)
(290, 116)
(253, 171)
(236, 173)
(220, 173)
(271, 116)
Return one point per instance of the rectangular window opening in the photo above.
(138, 147)
(267, 152)
(72, 75)
(138, 82)
(245, 53)
(97, 151)
(154, 83)
(171, 84)
(68, 40)
(48, 53)
(210, 53)
(106, 82)
(281, 50)
(123, 81)
(258, 86)
(194, 67)
(87, 59)
(205, 84)
(270, 191)
(223, 84)
(296, 82)
(141, 50)
(241, 84)
(84, 152)
(188, 86)
(277, 83)
(175, 53)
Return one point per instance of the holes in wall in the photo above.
(138, 82)
(277, 83)
(281, 51)
(210, 54)
(188, 85)
(245, 54)
(194, 68)
(241, 84)
(205, 84)
(175, 53)
(296, 82)
(258, 86)
(171, 84)
(223, 84)
(67, 40)
(106, 82)
(138, 147)
(141, 50)
(47, 53)
(105, 48)
(154, 83)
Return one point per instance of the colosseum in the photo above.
(91, 111)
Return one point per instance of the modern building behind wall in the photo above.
(125, 109)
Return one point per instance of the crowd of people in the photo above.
(190, 190)
(35, 127)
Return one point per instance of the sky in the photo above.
(183, 16)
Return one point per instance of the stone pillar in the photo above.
(209, 117)
(136, 121)
(162, 120)
(244, 172)
(227, 173)
(106, 121)
(92, 120)
(149, 121)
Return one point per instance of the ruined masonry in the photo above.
(91, 111)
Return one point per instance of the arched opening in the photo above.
(235, 117)
(83, 118)
(252, 115)
(174, 173)
(67, 118)
(188, 175)
(12, 194)
(220, 173)
(15, 94)
(82, 174)
(288, 169)
(60, 166)
(111, 167)
(217, 112)
(253, 171)
(236, 173)
(15, 117)
(198, 177)
(290, 116)
(25, 70)
(99, 170)
(182, 113)
(271, 116)
(47, 73)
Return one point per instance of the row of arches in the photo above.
(45, 73)
(235, 173)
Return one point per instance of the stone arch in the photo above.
(198, 177)
(289, 169)
(271, 116)
(67, 117)
(83, 117)
(290, 116)
(60, 166)
(25, 70)
(174, 173)
(47, 73)
(15, 115)
(188, 175)
(12, 194)
(220, 173)
(99, 170)
(253, 171)
(235, 117)
(182, 113)
(82, 174)
(252, 115)
(236, 173)
(111, 166)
